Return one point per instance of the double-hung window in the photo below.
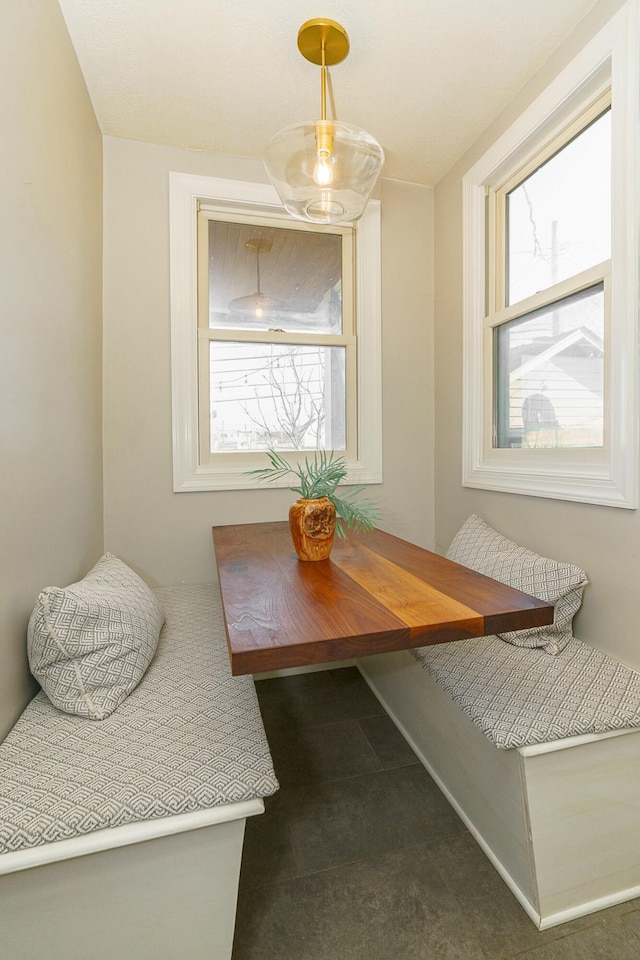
(551, 305)
(277, 345)
(275, 335)
(551, 254)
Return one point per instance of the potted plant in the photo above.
(319, 511)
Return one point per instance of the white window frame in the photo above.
(186, 193)
(607, 475)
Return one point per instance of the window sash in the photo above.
(206, 213)
(555, 401)
(588, 279)
(497, 226)
(206, 456)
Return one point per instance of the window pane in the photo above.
(263, 278)
(550, 376)
(276, 395)
(559, 219)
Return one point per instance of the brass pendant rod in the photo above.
(323, 85)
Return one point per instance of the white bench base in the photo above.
(147, 899)
(560, 821)
(187, 744)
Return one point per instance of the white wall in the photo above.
(605, 541)
(50, 354)
(167, 536)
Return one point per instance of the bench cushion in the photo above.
(483, 549)
(189, 737)
(522, 696)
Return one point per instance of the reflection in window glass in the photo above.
(279, 396)
(550, 375)
(559, 218)
(263, 278)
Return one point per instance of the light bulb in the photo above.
(258, 313)
(322, 172)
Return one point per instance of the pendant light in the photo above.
(257, 305)
(324, 170)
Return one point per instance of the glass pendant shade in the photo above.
(324, 170)
(256, 305)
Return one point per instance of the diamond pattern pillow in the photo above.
(90, 643)
(479, 546)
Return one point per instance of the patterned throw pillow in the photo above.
(479, 546)
(89, 644)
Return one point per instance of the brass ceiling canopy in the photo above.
(258, 245)
(323, 42)
(324, 170)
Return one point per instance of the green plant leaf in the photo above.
(356, 512)
(320, 477)
(279, 468)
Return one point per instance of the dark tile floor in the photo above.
(360, 857)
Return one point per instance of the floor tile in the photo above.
(611, 938)
(500, 922)
(323, 752)
(634, 917)
(326, 696)
(391, 907)
(267, 852)
(346, 820)
(360, 856)
(389, 745)
(350, 683)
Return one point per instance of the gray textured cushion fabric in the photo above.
(189, 737)
(89, 644)
(521, 696)
(479, 546)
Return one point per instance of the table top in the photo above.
(375, 594)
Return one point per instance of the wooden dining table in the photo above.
(376, 593)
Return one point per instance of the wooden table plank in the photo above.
(375, 594)
(412, 600)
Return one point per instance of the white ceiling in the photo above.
(425, 77)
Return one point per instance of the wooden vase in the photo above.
(313, 525)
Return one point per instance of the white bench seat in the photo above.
(185, 754)
(539, 755)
